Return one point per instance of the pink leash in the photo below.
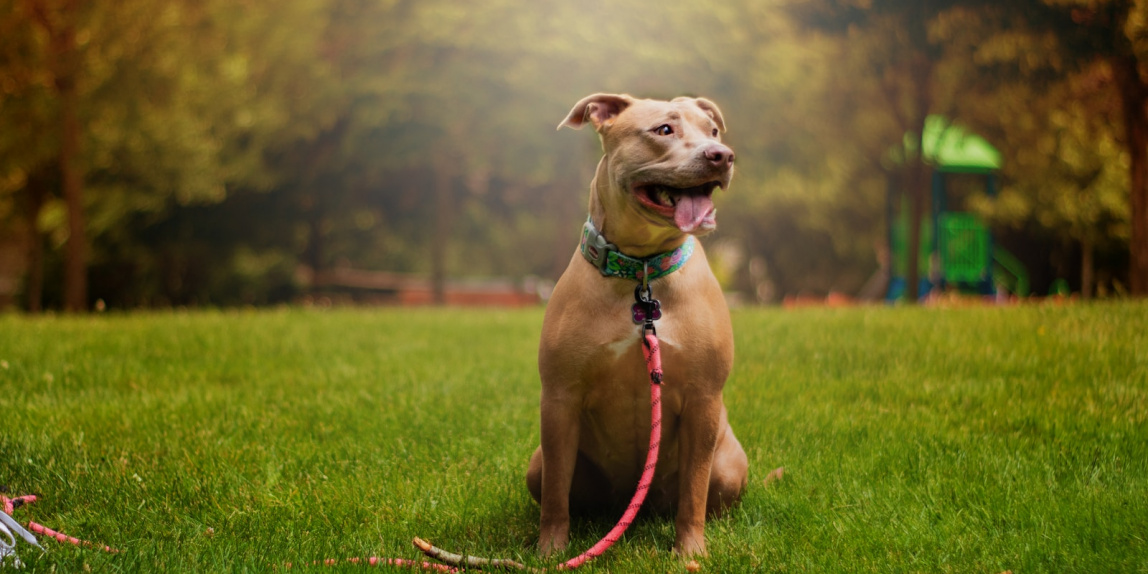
(376, 561)
(452, 562)
(650, 348)
(455, 562)
(654, 366)
(644, 312)
(11, 504)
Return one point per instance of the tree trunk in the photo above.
(442, 211)
(569, 208)
(1086, 269)
(921, 70)
(1134, 97)
(316, 183)
(76, 252)
(914, 189)
(61, 31)
(313, 253)
(37, 192)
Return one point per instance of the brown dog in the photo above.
(663, 161)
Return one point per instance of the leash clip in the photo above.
(646, 309)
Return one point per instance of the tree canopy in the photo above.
(217, 153)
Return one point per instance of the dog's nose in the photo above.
(719, 155)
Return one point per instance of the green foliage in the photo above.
(1071, 177)
(940, 440)
(315, 132)
(1066, 160)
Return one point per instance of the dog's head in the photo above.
(665, 159)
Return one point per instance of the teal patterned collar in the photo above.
(613, 263)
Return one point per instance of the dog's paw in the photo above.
(690, 546)
(553, 540)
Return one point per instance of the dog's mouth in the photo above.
(690, 208)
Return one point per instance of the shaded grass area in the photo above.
(915, 440)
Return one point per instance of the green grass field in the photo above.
(914, 440)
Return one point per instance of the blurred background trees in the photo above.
(170, 152)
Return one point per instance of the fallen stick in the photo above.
(460, 561)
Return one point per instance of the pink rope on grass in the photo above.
(459, 563)
(377, 561)
(61, 537)
(652, 352)
(11, 504)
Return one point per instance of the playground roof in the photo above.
(952, 149)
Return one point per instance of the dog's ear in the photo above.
(713, 111)
(600, 109)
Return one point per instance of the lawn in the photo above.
(914, 440)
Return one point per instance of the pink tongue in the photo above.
(691, 211)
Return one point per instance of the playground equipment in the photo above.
(956, 249)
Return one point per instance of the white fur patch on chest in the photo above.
(634, 336)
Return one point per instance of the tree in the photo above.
(60, 22)
(893, 38)
(1066, 169)
(174, 102)
(418, 136)
(26, 176)
(1073, 36)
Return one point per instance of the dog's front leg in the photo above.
(700, 422)
(560, 429)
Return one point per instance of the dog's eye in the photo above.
(715, 132)
(664, 130)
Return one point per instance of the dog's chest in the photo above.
(618, 381)
(615, 419)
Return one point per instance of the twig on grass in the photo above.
(476, 562)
